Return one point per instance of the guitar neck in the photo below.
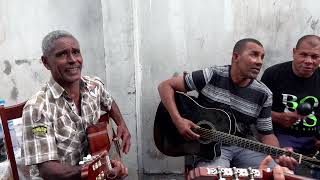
(117, 143)
(256, 146)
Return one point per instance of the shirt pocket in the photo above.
(65, 130)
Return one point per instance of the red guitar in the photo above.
(209, 173)
(102, 144)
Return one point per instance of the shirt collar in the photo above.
(55, 88)
(58, 90)
(84, 84)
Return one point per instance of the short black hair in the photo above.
(240, 45)
(310, 42)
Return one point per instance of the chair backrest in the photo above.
(6, 114)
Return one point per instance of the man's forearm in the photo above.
(55, 170)
(270, 139)
(276, 117)
(167, 90)
(115, 114)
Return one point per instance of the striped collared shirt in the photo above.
(54, 129)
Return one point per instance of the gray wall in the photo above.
(120, 68)
(134, 45)
(23, 25)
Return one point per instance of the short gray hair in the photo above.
(48, 40)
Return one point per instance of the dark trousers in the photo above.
(306, 171)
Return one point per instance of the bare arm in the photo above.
(269, 139)
(285, 119)
(115, 114)
(276, 116)
(55, 170)
(166, 91)
(122, 129)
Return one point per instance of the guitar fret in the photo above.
(250, 144)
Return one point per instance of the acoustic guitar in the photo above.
(216, 127)
(103, 143)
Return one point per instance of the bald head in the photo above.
(311, 40)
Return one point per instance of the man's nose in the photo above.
(71, 58)
(259, 60)
(308, 59)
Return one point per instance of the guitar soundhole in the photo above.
(205, 131)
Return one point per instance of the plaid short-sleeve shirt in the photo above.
(53, 129)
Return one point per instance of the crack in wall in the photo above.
(7, 67)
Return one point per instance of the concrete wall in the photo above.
(120, 67)
(184, 35)
(22, 27)
(134, 45)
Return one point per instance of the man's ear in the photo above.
(294, 50)
(44, 60)
(235, 57)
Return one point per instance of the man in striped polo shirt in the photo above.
(233, 88)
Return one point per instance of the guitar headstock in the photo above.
(102, 144)
(201, 173)
(223, 173)
(94, 167)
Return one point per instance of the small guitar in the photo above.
(202, 173)
(216, 127)
(103, 143)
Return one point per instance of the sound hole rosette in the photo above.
(209, 127)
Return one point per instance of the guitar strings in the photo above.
(209, 133)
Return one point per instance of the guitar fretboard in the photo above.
(213, 135)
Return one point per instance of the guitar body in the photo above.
(98, 138)
(171, 143)
(102, 144)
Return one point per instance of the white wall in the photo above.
(134, 45)
(23, 24)
(120, 68)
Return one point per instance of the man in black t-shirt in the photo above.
(293, 84)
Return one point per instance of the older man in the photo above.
(66, 105)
